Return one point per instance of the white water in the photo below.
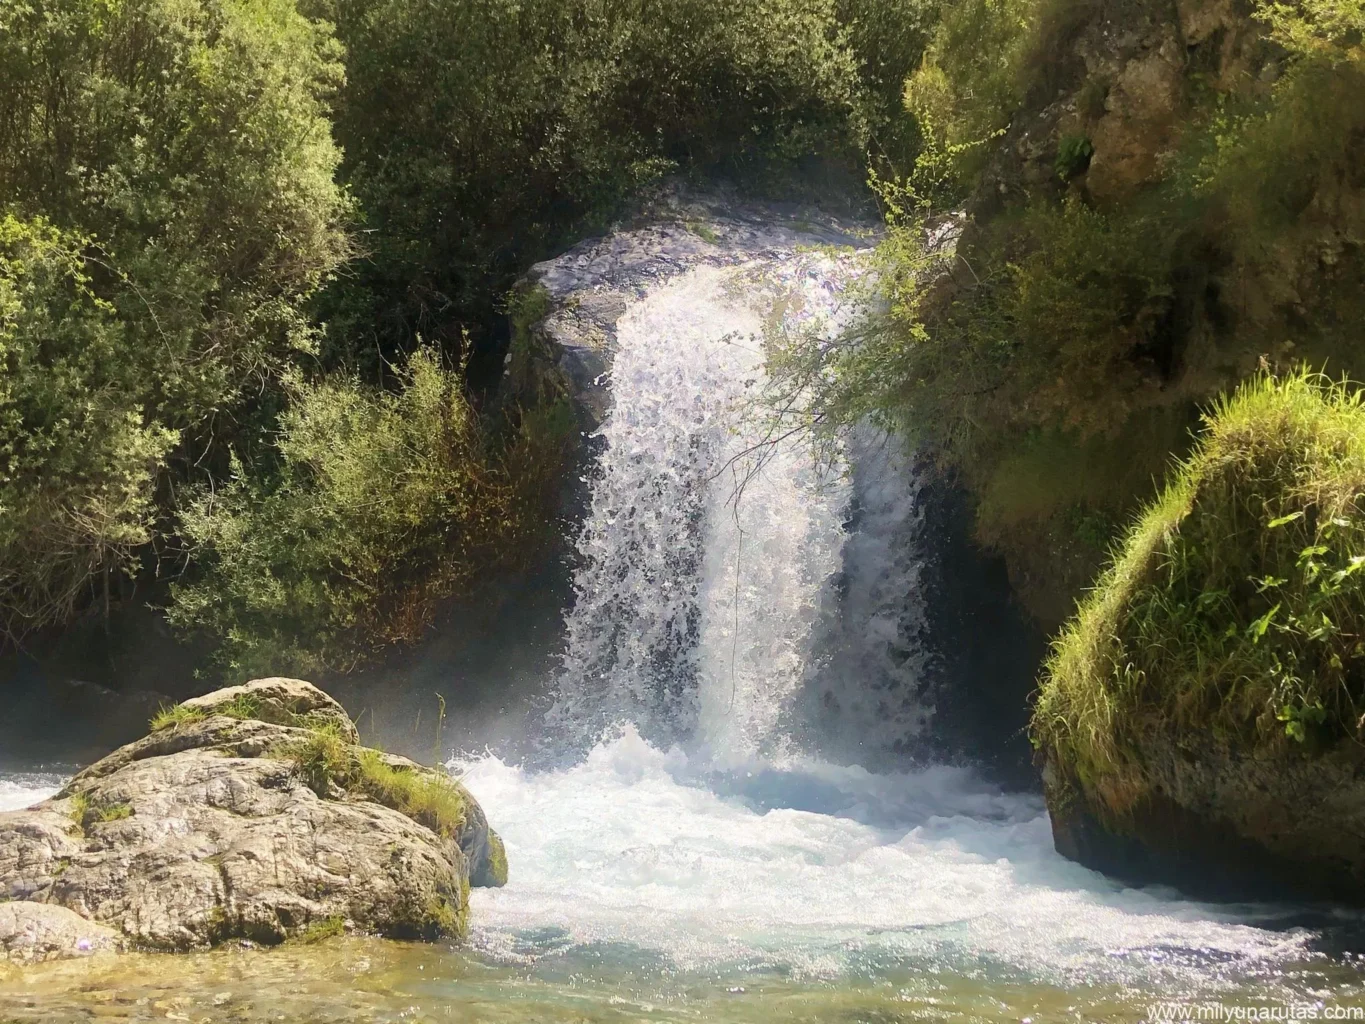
(23, 789)
(698, 622)
(934, 870)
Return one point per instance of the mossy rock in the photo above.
(276, 700)
(1213, 683)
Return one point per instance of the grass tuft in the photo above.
(324, 758)
(1234, 609)
(432, 800)
(173, 715)
(85, 812)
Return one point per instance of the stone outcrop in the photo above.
(1225, 823)
(584, 292)
(217, 827)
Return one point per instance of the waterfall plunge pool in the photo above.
(704, 850)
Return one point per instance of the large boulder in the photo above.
(1200, 721)
(217, 826)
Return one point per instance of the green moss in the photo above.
(442, 919)
(319, 931)
(1234, 608)
(497, 859)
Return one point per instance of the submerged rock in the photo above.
(217, 826)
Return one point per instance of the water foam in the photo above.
(934, 869)
(24, 789)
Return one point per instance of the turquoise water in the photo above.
(647, 888)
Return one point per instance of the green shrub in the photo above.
(168, 207)
(385, 504)
(1235, 608)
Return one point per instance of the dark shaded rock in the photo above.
(1221, 824)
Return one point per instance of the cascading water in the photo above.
(708, 546)
(749, 624)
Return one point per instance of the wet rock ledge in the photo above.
(251, 813)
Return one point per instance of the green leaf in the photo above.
(1275, 524)
(1257, 629)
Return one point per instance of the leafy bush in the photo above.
(78, 463)
(477, 135)
(383, 505)
(1236, 605)
(169, 205)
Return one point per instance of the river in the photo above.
(689, 833)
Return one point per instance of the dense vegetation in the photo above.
(1235, 610)
(254, 259)
(1094, 300)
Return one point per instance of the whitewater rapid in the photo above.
(826, 871)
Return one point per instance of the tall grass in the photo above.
(1234, 610)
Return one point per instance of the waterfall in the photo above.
(725, 570)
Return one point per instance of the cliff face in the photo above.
(1178, 200)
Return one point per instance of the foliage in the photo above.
(78, 462)
(385, 504)
(1235, 608)
(1073, 155)
(521, 119)
(167, 174)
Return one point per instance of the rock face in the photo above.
(1226, 824)
(586, 290)
(217, 827)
